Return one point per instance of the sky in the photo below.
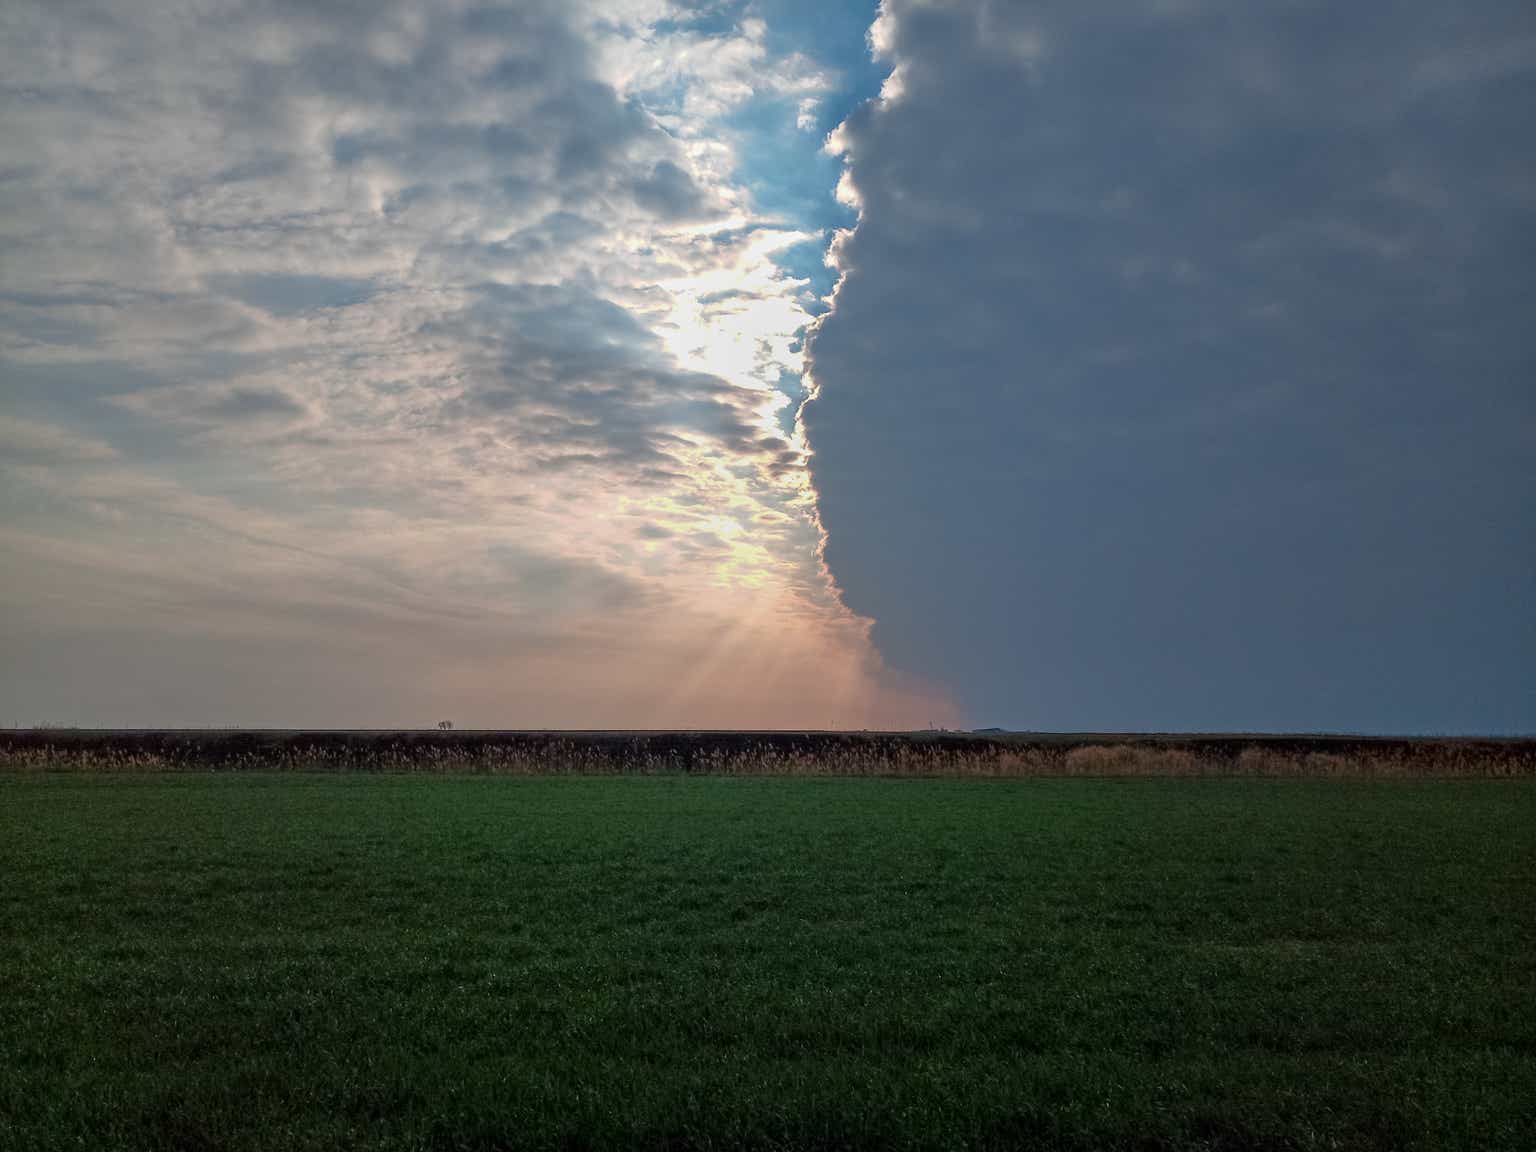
(1134, 365)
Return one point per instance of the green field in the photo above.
(270, 961)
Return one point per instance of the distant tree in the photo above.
(444, 725)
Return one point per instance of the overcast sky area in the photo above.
(1160, 364)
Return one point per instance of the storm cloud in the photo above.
(1180, 374)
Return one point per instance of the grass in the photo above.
(1020, 755)
(318, 961)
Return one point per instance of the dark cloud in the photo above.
(291, 295)
(238, 404)
(670, 193)
(575, 379)
(1182, 372)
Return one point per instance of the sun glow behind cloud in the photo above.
(371, 367)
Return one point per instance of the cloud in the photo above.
(218, 405)
(1179, 372)
(403, 325)
(291, 295)
(40, 442)
(250, 403)
(669, 192)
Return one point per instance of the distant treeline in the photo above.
(764, 753)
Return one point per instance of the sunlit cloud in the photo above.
(436, 348)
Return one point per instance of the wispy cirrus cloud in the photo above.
(435, 337)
